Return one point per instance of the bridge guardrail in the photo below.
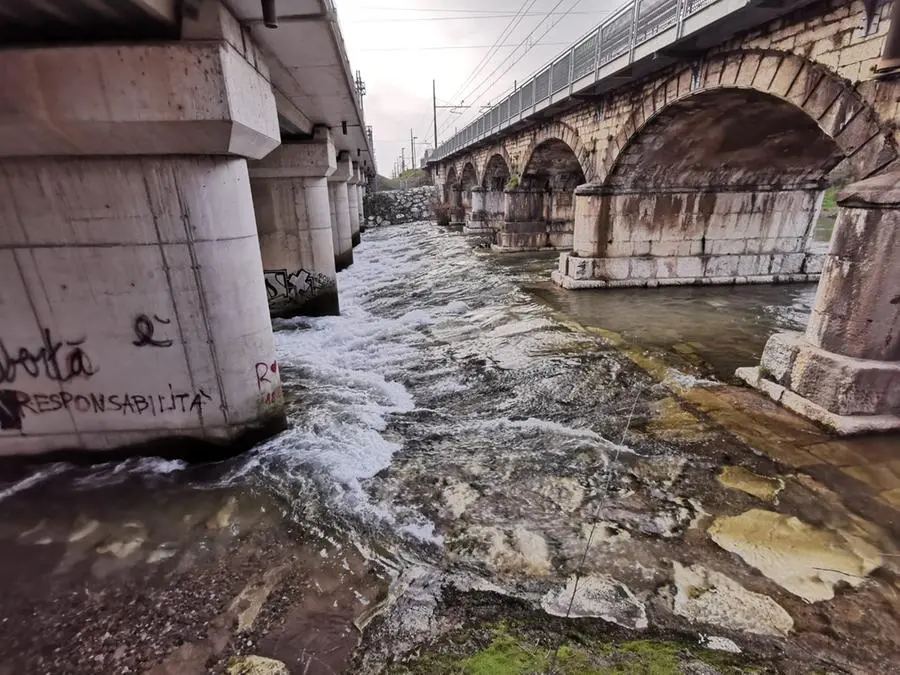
(628, 27)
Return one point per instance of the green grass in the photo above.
(829, 202)
(512, 653)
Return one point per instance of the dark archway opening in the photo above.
(554, 170)
(734, 176)
(496, 178)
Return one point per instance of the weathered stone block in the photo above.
(689, 267)
(722, 266)
(778, 356)
(665, 268)
(611, 268)
(643, 268)
(845, 385)
(726, 246)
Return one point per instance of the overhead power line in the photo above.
(479, 67)
(407, 49)
(468, 17)
(481, 90)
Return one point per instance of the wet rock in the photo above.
(673, 423)
(761, 487)
(256, 665)
(706, 596)
(598, 596)
(251, 599)
(133, 538)
(803, 560)
(222, 518)
(83, 530)
(458, 497)
(519, 551)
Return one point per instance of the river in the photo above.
(480, 469)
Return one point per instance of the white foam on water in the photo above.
(33, 479)
(112, 473)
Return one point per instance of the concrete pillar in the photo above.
(290, 196)
(342, 236)
(353, 203)
(361, 200)
(844, 371)
(134, 308)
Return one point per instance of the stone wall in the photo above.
(399, 206)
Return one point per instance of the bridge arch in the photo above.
(469, 177)
(810, 89)
(719, 173)
(496, 172)
(561, 133)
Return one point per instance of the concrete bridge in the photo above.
(171, 172)
(690, 141)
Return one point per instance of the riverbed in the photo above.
(481, 469)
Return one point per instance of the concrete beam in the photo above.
(180, 99)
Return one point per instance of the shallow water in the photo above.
(465, 422)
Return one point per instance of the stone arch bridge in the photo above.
(710, 168)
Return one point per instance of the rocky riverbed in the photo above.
(483, 474)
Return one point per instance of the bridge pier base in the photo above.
(354, 204)
(339, 199)
(457, 207)
(526, 227)
(134, 310)
(290, 197)
(691, 237)
(476, 221)
(844, 371)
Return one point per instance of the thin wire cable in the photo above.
(580, 569)
(406, 49)
(480, 90)
(479, 67)
(470, 17)
(486, 84)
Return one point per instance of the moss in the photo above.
(829, 201)
(510, 652)
(505, 655)
(513, 183)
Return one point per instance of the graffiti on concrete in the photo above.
(16, 406)
(263, 372)
(299, 285)
(145, 328)
(267, 374)
(57, 360)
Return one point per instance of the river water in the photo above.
(466, 425)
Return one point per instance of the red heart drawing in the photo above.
(274, 367)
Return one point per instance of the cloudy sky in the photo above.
(400, 46)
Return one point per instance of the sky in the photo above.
(400, 46)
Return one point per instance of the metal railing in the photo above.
(628, 27)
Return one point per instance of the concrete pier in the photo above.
(130, 275)
(844, 371)
(353, 204)
(290, 196)
(341, 230)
